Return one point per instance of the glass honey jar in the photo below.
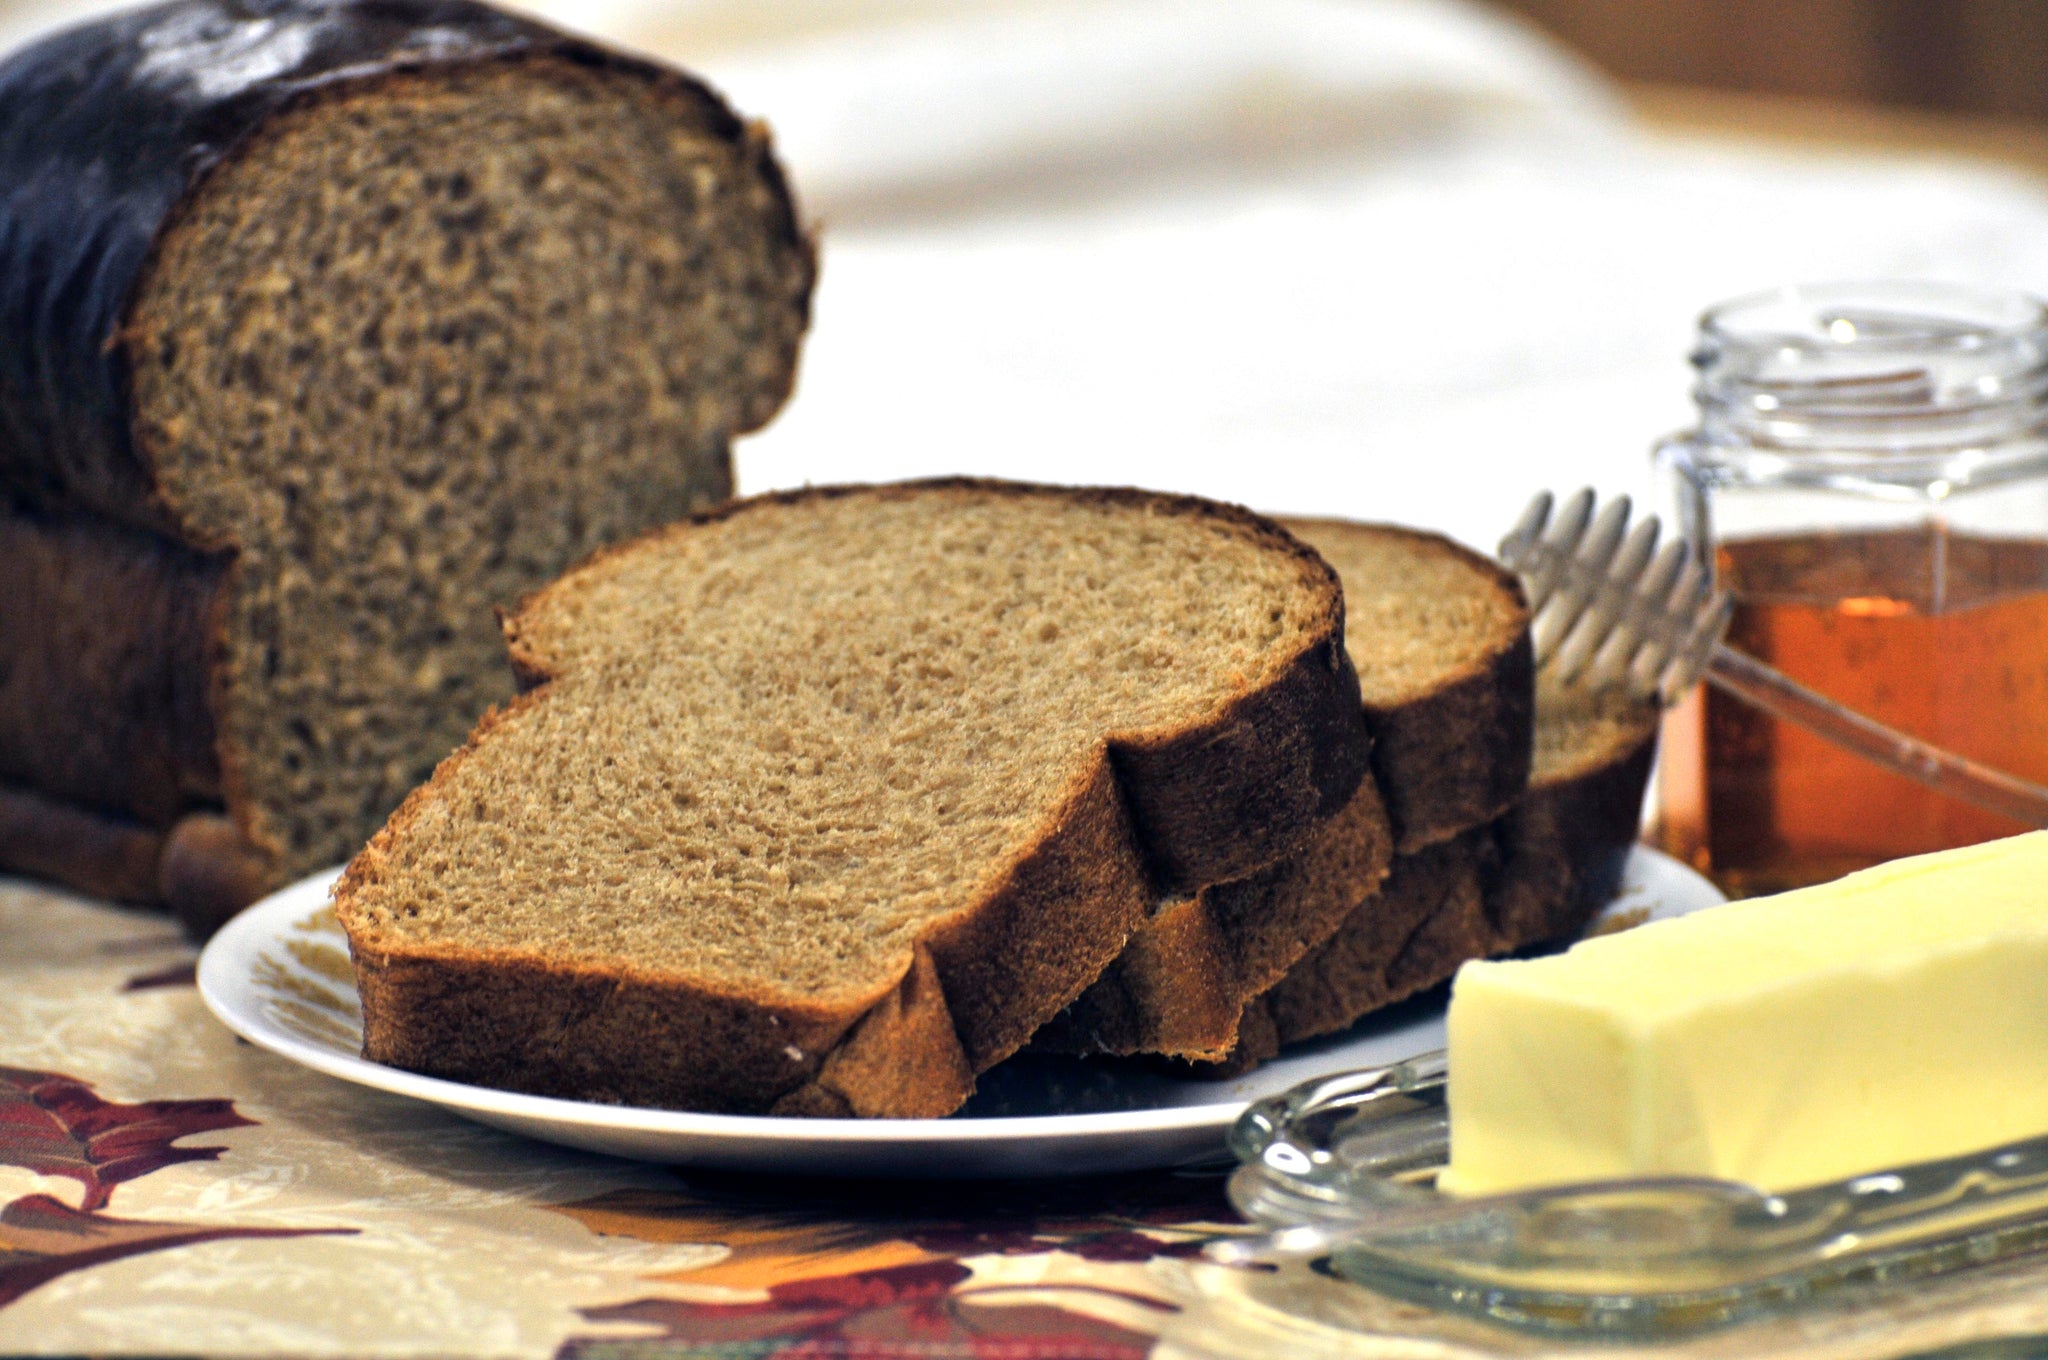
(1869, 480)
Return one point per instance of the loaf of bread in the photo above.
(824, 803)
(1439, 636)
(326, 326)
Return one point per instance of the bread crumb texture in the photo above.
(1583, 729)
(781, 745)
(423, 342)
(1421, 611)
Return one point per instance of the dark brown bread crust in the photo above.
(106, 856)
(1459, 755)
(107, 747)
(680, 1047)
(103, 659)
(1430, 916)
(1535, 876)
(978, 983)
(199, 868)
(1280, 760)
(1184, 980)
(1564, 845)
(109, 131)
(207, 872)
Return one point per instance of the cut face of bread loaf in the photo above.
(365, 319)
(1440, 638)
(824, 803)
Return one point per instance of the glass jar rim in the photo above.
(1914, 380)
(1948, 316)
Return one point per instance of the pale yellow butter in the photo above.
(1898, 1015)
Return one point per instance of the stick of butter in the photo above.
(1897, 1015)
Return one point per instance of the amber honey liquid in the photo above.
(1941, 635)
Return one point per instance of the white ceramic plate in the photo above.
(279, 976)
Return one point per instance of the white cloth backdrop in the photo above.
(1387, 258)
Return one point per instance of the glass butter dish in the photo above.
(1342, 1171)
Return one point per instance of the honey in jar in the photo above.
(1767, 805)
(1871, 480)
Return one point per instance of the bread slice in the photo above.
(326, 329)
(823, 803)
(1565, 843)
(1440, 638)
(1536, 875)
(1182, 983)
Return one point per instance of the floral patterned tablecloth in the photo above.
(166, 1187)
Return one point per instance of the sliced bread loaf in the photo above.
(823, 803)
(326, 327)
(1537, 874)
(1440, 638)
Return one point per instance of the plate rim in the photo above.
(218, 975)
(237, 939)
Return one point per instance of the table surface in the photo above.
(164, 1186)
